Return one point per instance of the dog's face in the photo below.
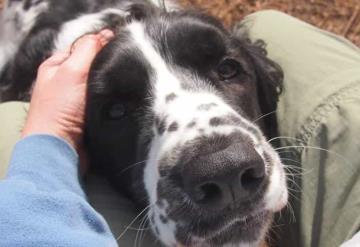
(172, 105)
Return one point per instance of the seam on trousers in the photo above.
(307, 130)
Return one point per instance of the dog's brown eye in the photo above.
(228, 69)
(115, 111)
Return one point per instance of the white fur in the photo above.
(276, 196)
(87, 23)
(167, 230)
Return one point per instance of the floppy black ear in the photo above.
(269, 77)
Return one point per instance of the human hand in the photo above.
(58, 99)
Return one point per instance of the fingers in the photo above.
(86, 48)
(75, 62)
(105, 36)
(56, 59)
(83, 52)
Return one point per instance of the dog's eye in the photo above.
(228, 69)
(114, 111)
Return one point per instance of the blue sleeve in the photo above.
(42, 202)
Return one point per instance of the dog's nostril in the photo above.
(252, 178)
(207, 193)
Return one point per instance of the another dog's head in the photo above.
(172, 105)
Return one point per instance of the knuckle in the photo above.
(89, 38)
(42, 68)
(76, 69)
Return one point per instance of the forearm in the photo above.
(42, 200)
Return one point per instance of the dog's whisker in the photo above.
(288, 151)
(294, 167)
(296, 170)
(294, 190)
(134, 220)
(284, 137)
(131, 166)
(292, 213)
(142, 234)
(291, 179)
(316, 148)
(139, 234)
(138, 229)
(263, 116)
(292, 195)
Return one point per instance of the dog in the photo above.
(174, 112)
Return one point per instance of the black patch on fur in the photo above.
(141, 11)
(174, 126)
(191, 124)
(160, 124)
(170, 97)
(27, 4)
(114, 21)
(163, 219)
(206, 107)
(236, 120)
(216, 121)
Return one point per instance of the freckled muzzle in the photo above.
(217, 173)
(216, 189)
(220, 187)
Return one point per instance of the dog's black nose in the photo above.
(224, 178)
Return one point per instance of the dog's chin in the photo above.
(240, 232)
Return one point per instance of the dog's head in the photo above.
(173, 104)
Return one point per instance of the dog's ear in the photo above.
(269, 76)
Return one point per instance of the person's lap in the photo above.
(319, 107)
(12, 117)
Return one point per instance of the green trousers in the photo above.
(319, 122)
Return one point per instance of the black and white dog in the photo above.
(172, 106)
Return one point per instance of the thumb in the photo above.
(83, 53)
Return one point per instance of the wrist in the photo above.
(71, 139)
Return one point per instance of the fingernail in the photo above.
(107, 33)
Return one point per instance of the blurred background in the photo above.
(338, 16)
